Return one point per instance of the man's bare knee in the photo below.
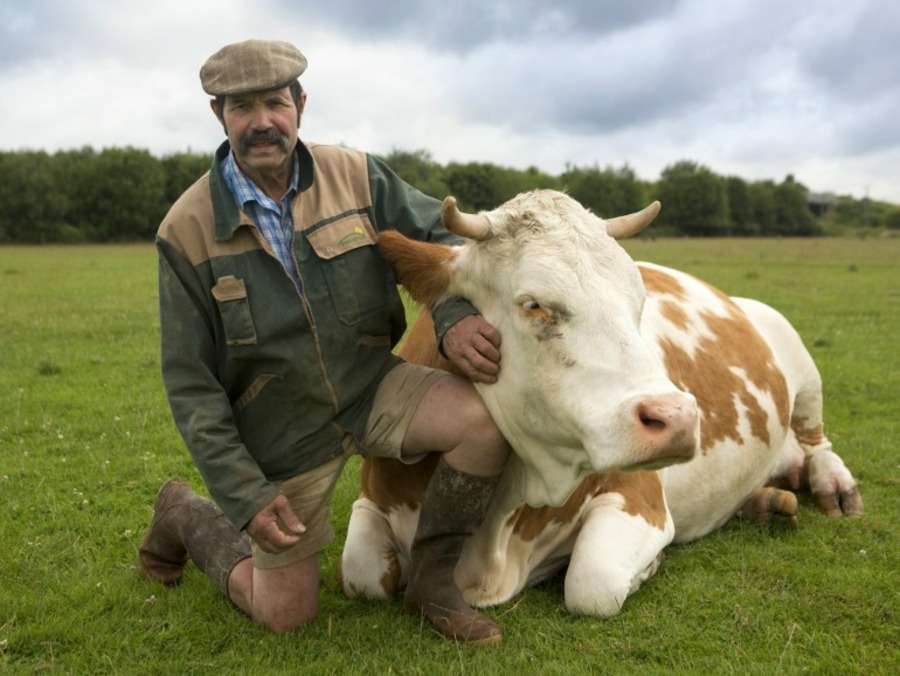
(283, 623)
(285, 599)
(483, 450)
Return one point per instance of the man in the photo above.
(278, 319)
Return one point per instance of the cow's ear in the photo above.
(624, 227)
(424, 269)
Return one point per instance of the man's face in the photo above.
(261, 128)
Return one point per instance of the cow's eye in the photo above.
(532, 309)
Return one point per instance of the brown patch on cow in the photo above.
(675, 313)
(420, 345)
(390, 581)
(422, 268)
(709, 375)
(659, 282)
(641, 491)
(390, 483)
(806, 435)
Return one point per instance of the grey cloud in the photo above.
(859, 56)
(598, 84)
(39, 29)
(459, 26)
(871, 128)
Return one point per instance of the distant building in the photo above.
(820, 202)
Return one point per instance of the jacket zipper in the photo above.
(307, 310)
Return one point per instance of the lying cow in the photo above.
(609, 368)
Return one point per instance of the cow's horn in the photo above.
(472, 226)
(623, 227)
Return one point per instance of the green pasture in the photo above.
(86, 439)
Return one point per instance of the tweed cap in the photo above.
(251, 66)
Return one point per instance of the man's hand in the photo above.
(474, 346)
(276, 528)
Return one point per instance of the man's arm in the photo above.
(462, 334)
(200, 406)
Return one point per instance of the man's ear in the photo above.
(301, 104)
(217, 111)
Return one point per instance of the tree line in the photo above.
(122, 194)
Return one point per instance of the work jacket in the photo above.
(264, 378)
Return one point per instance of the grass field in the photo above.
(86, 439)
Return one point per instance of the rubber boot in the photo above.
(186, 525)
(454, 507)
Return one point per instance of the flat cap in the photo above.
(251, 66)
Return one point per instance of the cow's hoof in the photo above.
(771, 505)
(847, 503)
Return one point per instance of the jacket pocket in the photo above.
(273, 422)
(356, 276)
(234, 308)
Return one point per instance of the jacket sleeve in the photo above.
(398, 205)
(200, 405)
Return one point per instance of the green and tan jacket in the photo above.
(264, 379)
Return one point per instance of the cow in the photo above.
(644, 407)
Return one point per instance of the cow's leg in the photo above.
(771, 505)
(805, 461)
(832, 484)
(807, 458)
(826, 475)
(615, 551)
(371, 566)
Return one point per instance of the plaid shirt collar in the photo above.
(246, 191)
(274, 221)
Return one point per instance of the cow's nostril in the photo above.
(650, 422)
(665, 426)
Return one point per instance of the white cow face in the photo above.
(579, 390)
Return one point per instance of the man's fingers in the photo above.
(275, 540)
(473, 345)
(289, 519)
(479, 369)
(487, 349)
(276, 527)
(491, 333)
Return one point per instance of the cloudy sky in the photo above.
(754, 88)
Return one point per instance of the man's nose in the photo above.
(260, 119)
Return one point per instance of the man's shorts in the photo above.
(396, 400)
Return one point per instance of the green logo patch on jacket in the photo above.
(345, 234)
(355, 236)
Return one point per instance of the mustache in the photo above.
(268, 136)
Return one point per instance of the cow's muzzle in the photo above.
(666, 428)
